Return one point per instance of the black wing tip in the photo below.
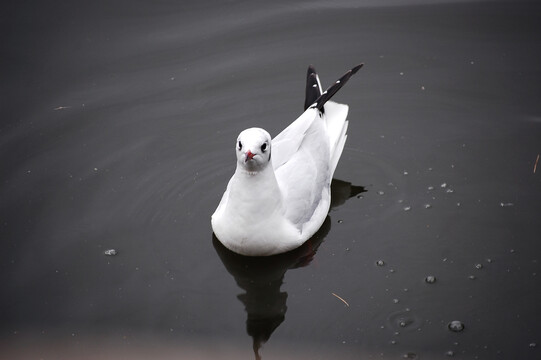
(333, 89)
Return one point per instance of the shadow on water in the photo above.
(261, 277)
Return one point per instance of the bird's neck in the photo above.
(257, 191)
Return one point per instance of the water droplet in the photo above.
(110, 252)
(430, 279)
(427, 206)
(380, 263)
(407, 208)
(478, 266)
(456, 326)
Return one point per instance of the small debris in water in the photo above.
(532, 345)
(449, 191)
(535, 165)
(380, 263)
(381, 192)
(457, 204)
(502, 204)
(407, 208)
(456, 326)
(110, 252)
(450, 353)
(396, 301)
(338, 297)
(340, 221)
(443, 186)
(489, 260)
(427, 206)
(431, 187)
(472, 277)
(405, 172)
(512, 251)
(478, 266)
(410, 355)
(430, 279)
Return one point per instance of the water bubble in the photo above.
(380, 263)
(430, 279)
(110, 252)
(456, 326)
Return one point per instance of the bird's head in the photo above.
(253, 150)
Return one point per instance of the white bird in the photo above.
(280, 193)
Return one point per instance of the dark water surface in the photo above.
(118, 122)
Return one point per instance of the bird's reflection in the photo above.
(262, 277)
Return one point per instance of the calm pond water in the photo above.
(118, 123)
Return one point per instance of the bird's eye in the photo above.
(240, 145)
(264, 147)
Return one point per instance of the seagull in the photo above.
(279, 195)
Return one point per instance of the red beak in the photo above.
(249, 155)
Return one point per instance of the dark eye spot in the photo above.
(264, 147)
(240, 145)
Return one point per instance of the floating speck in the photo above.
(489, 260)
(393, 342)
(512, 251)
(427, 206)
(443, 186)
(380, 263)
(472, 277)
(478, 266)
(407, 208)
(410, 355)
(396, 301)
(401, 73)
(458, 204)
(532, 345)
(422, 87)
(340, 221)
(110, 252)
(502, 204)
(450, 353)
(430, 279)
(430, 188)
(449, 191)
(405, 172)
(381, 193)
(95, 169)
(456, 326)
(392, 271)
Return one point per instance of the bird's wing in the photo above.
(286, 144)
